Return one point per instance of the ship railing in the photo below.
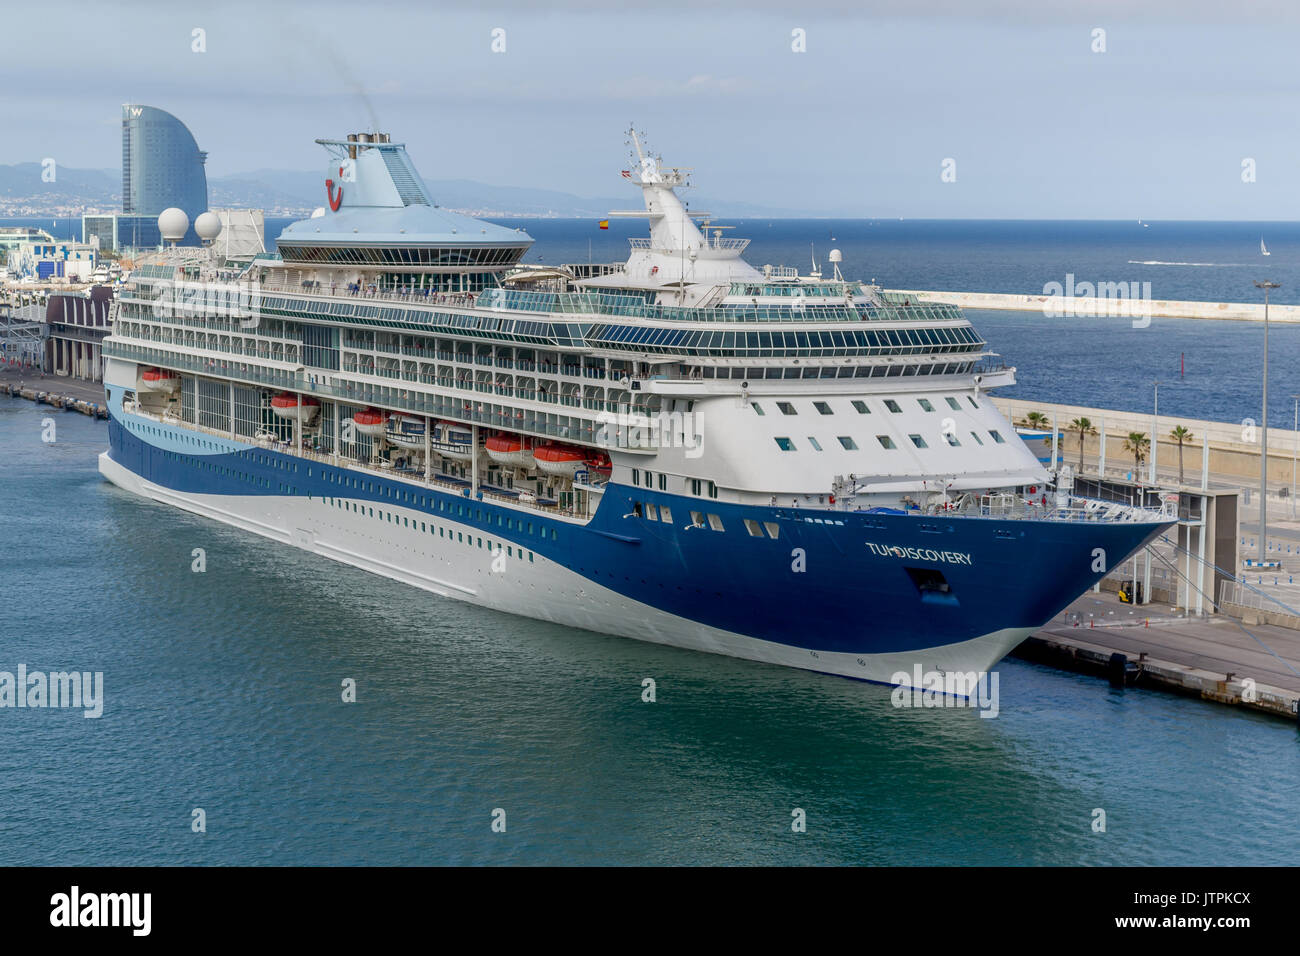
(455, 407)
(317, 453)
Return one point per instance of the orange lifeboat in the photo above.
(159, 380)
(562, 460)
(370, 421)
(304, 409)
(513, 450)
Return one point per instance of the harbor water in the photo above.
(222, 692)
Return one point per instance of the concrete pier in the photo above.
(58, 391)
(1216, 658)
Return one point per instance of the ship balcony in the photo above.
(466, 404)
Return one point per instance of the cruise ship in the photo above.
(680, 448)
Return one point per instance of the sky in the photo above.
(916, 108)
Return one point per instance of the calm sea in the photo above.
(223, 687)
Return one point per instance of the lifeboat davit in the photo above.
(453, 441)
(370, 421)
(513, 450)
(304, 409)
(159, 380)
(561, 460)
(406, 431)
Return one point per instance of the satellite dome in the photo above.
(318, 212)
(836, 256)
(207, 226)
(173, 224)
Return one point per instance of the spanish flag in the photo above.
(604, 224)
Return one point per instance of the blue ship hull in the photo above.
(831, 582)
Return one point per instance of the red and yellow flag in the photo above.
(604, 224)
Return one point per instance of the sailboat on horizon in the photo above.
(1263, 249)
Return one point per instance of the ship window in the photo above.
(651, 511)
(754, 528)
(636, 476)
(663, 482)
(713, 490)
(815, 444)
(786, 408)
(861, 407)
(892, 406)
(773, 529)
(885, 441)
(848, 444)
(925, 404)
(757, 408)
(715, 523)
(918, 441)
(530, 555)
(952, 403)
(636, 509)
(977, 438)
(649, 479)
(665, 514)
(784, 444)
(971, 399)
(823, 408)
(697, 519)
(952, 439)
(997, 437)
(695, 486)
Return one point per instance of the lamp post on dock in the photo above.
(1155, 431)
(1263, 433)
(1295, 440)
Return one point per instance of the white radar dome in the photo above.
(173, 224)
(836, 256)
(318, 212)
(207, 226)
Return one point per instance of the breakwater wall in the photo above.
(1128, 308)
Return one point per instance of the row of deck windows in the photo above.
(861, 407)
(846, 442)
(429, 527)
(697, 486)
(699, 519)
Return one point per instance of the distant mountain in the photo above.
(96, 186)
(292, 192)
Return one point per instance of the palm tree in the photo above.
(1137, 443)
(1180, 435)
(1036, 420)
(1084, 427)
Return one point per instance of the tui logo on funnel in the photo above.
(336, 199)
